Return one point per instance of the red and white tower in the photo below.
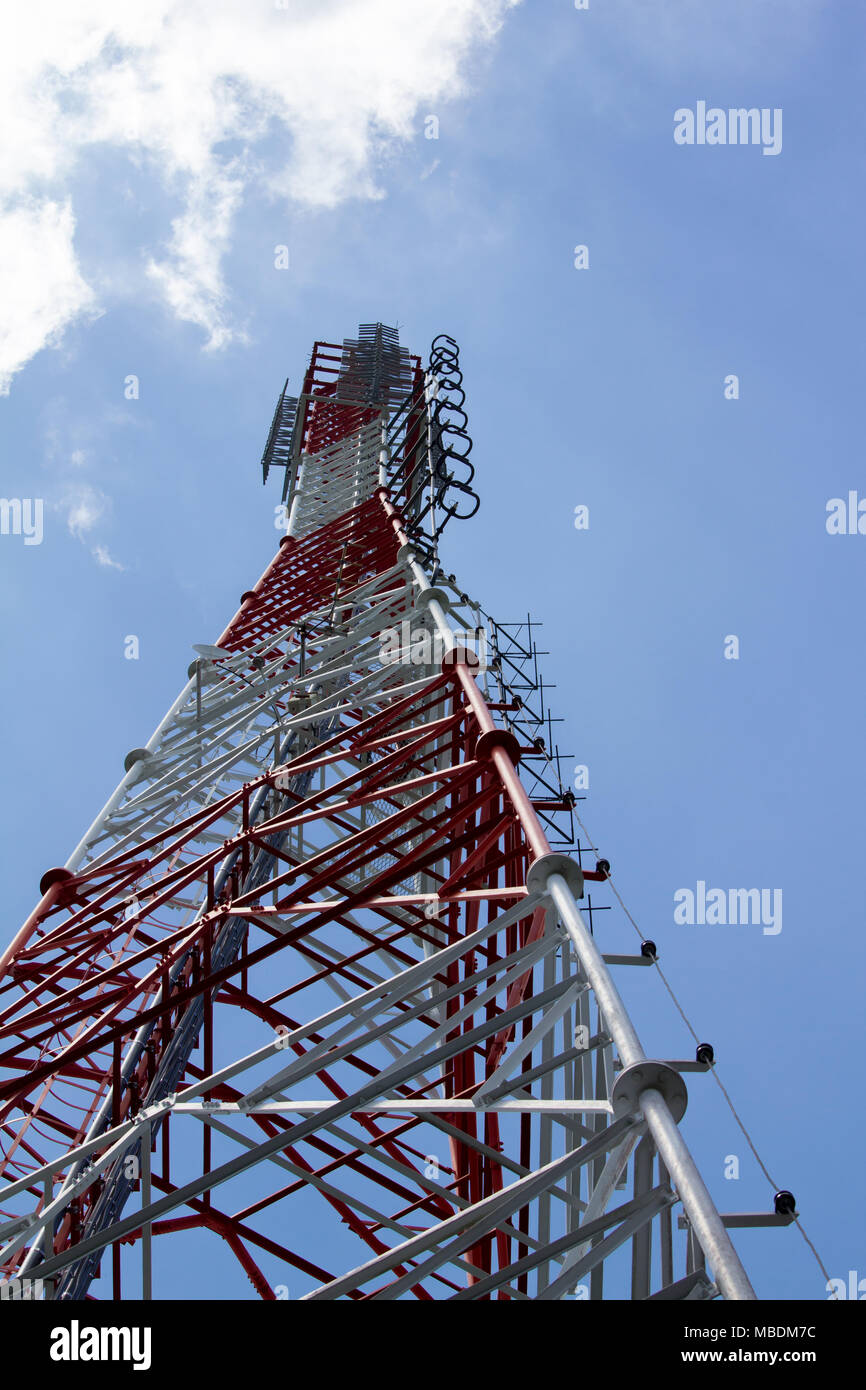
(316, 980)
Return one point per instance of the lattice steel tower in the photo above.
(316, 980)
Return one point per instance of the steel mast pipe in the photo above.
(40, 911)
(75, 858)
(77, 855)
(617, 1021)
(530, 824)
(709, 1228)
(728, 1271)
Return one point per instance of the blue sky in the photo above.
(602, 387)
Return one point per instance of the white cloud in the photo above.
(84, 506)
(103, 558)
(73, 454)
(191, 279)
(216, 97)
(41, 288)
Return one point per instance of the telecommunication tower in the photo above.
(316, 981)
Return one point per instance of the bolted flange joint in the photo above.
(463, 656)
(52, 876)
(546, 864)
(137, 755)
(433, 595)
(649, 1075)
(497, 738)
